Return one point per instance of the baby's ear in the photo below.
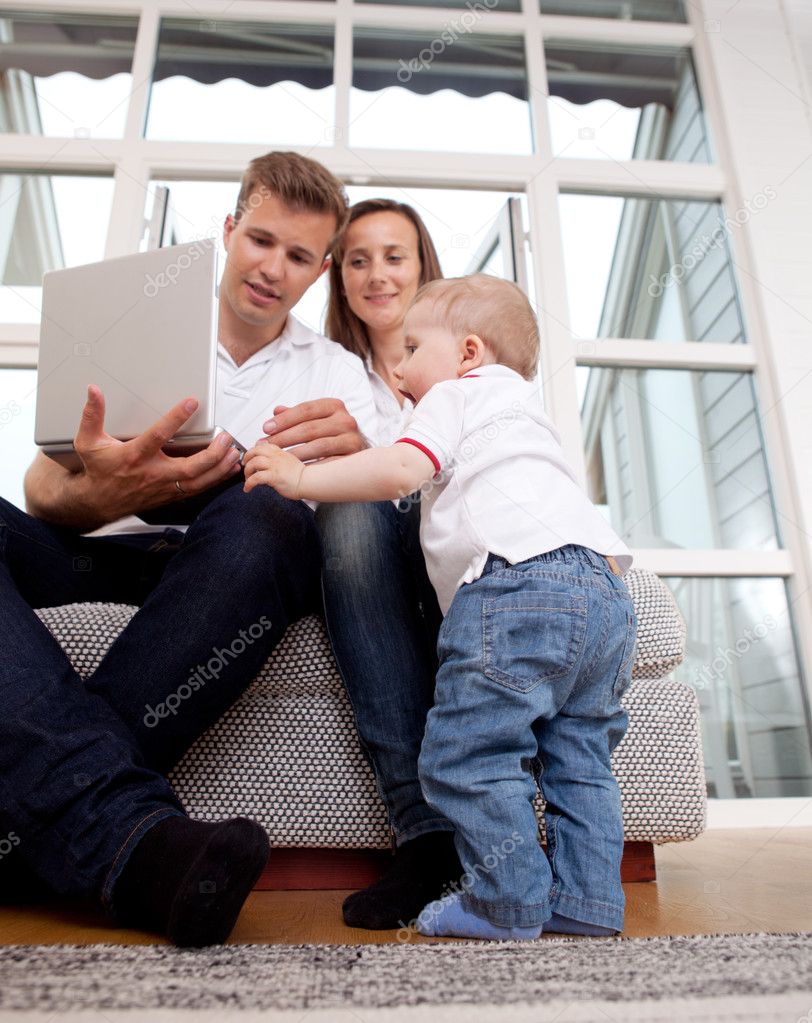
(473, 353)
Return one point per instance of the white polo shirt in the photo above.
(503, 485)
(300, 365)
(392, 416)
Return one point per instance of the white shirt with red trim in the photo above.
(503, 485)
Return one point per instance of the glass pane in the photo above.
(412, 90)
(458, 25)
(617, 102)
(628, 10)
(650, 268)
(457, 220)
(65, 74)
(221, 81)
(47, 222)
(676, 457)
(741, 659)
(17, 449)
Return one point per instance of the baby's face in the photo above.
(432, 353)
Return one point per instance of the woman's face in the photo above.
(381, 269)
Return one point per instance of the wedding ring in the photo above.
(179, 488)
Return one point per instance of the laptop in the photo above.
(144, 329)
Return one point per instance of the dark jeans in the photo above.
(383, 619)
(82, 763)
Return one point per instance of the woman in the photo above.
(381, 610)
(383, 256)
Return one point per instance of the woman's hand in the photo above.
(269, 465)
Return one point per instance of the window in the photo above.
(47, 222)
(224, 81)
(65, 74)
(650, 268)
(491, 5)
(17, 405)
(621, 103)
(677, 458)
(642, 10)
(742, 662)
(418, 90)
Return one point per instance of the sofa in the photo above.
(287, 753)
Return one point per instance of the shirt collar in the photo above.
(493, 370)
(297, 333)
(293, 333)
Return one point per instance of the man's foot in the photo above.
(447, 918)
(188, 879)
(422, 869)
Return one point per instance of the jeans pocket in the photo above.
(530, 638)
(624, 674)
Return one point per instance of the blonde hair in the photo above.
(341, 323)
(300, 183)
(494, 309)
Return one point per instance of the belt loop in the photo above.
(494, 562)
(613, 565)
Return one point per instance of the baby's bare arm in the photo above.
(377, 474)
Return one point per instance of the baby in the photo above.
(537, 643)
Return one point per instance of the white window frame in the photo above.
(135, 161)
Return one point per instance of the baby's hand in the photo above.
(274, 467)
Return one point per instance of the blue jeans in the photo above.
(82, 762)
(534, 658)
(382, 617)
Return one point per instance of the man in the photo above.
(81, 764)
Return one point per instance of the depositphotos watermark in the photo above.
(8, 412)
(169, 276)
(707, 242)
(725, 656)
(491, 860)
(450, 33)
(8, 843)
(212, 670)
(153, 283)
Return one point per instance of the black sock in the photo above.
(421, 871)
(189, 879)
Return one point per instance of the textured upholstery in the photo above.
(287, 753)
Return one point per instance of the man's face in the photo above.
(274, 254)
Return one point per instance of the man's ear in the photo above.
(328, 259)
(228, 228)
(472, 353)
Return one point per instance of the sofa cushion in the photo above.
(287, 753)
(660, 626)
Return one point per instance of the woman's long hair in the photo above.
(341, 323)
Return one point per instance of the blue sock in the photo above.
(558, 924)
(446, 918)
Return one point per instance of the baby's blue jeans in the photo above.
(534, 659)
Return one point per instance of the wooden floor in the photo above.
(724, 882)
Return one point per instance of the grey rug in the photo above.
(728, 977)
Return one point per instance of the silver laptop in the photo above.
(144, 329)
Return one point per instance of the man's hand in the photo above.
(121, 478)
(269, 465)
(321, 429)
